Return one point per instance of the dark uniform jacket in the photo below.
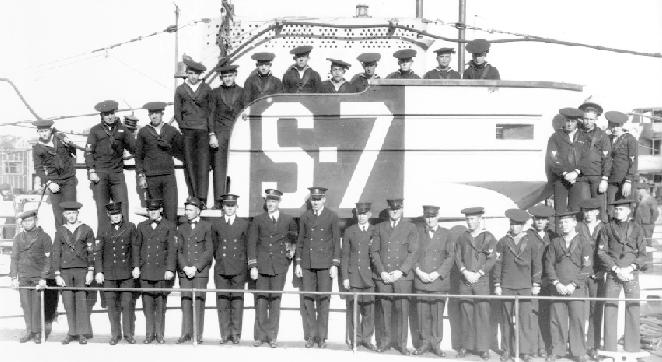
(318, 246)
(361, 81)
(624, 155)
(73, 250)
(230, 244)
(30, 255)
(195, 247)
(268, 243)
(646, 212)
(435, 254)
(226, 103)
(569, 265)
(563, 155)
(483, 71)
(355, 263)
(623, 246)
(309, 83)
(55, 163)
(597, 161)
(114, 251)
(543, 244)
(403, 75)
(154, 151)
(106, 145)
(157, 249)
(438, 73)
(192, 109)
(394, 249)
(257, 86)
(476, 254)
(594, 240)
(518, 266)
(327, 86)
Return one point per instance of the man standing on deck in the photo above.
(646, 213)
(478, 68)
(405, 61)
(337, 83)
(300, 77)
(443, 71)
(624, 155)
(261, 82)
(595, 167)
(369, 63)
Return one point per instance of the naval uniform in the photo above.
(230, 271)
(258, 86)
(645, 215)
(439, 73)
(624, 156)
(481, 71)
(595, 166)
(361, 81)
(329, 86)
(541, 307)
(297, 81)
(565, 155)
(398, 74)
(595, 285)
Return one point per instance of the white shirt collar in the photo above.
(73, 227)
(230, 219)
(275, 214)
(195, 86)
(364, 227)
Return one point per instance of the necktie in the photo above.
(273, 219)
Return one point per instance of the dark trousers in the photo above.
(219, 163)
(31, 304)
(187, 305)
(430, 318)
(111, 186)
(590, 187)
(395, 313)
(527, 333)
(567, 196)
(648, 233)
(75, 302)
(614, 193)
(317, 306)
(164, 187)
(595, 288)
(365, 326)
(230, 306)
(454, 314)
(268, 307)
(476, 331)
(567, 324)
(67, 193)
(121, 308)
(541, 310)
(632, 334)
(414, 325)
(196, 162)
(154, 307)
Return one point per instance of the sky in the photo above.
(46, 46)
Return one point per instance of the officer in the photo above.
(104, 158)
(478, 68)
(475, 257)
(567, 263)
(261, 82)
(405, 60)
(624, 155)
(155, 260)
(433, 267)
(596, 165)
(443, 71)
(193, 115)
(54, 162)
(300, 77)
(393, 253)
(227, 101)
(566, 149)
(195, 250)
(156, 145)
(317, 262)
(623, 254)
(369, 63)
(337, 83)
(73, 266)
(646, 213)
(230, 234)
(29, 269)
(271, 239)
(357, 277)
(518, 271)
(113, 265)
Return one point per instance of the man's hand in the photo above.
(53, 187)
(99, 278)
(142, 181)
(396, 275)
(135, 273)
(433, 276)
(570, 288)
(213, 141)
(602, 187)
(14, 282)
(94, 177)
(89, 277)
(190, 271)
(535, 290)
(386, 277)
(298, 272)
(254, 273)
(497, 290)
(473, 277)
(41, 284)
(168, 275)
(345, 284)
(423, 276)
(571, 177)
(560, 288)
(60, 281)
(333, 272)
(626, 189)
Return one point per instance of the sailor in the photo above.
(568, 263)
(405, 60)
(646, 213)
(300, 77)
(369, 63)
(317, 262)
(475, 257)
(54, 162)
(29, 269)
(443, 71)
(623, 254)
(566, 149)
(271, 242)
(195, 250)
(261, 82)
(193, 115)
(624, 155)
(357, 277)
(393, 253)
(104, 158)
(596, 165)
(113, 264)
(156, 145)
(518, 271)
(433, 267)
(227, 102)
(478, 68)
(337, 83)
(73, 266)
(230, 234)
(155, 261)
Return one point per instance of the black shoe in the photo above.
(421, 350)
(148, 340)
(236, 340)
(82, 340)
(498, 351)
(273, 344)
(369, 346)
(310, 343)
(257, 343)
(26, 338)
(381, 349)
(182, 339)
(67, 339)
(550, 358)
(160, 340)
(404, 351)
(437, 351)
(130, 340)
(37, 338)
(593, 353)
(542, 354)
(224, 340)
(321, 343)
(484, 355)
(113, 341)
(199, 341)
(461, 353)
